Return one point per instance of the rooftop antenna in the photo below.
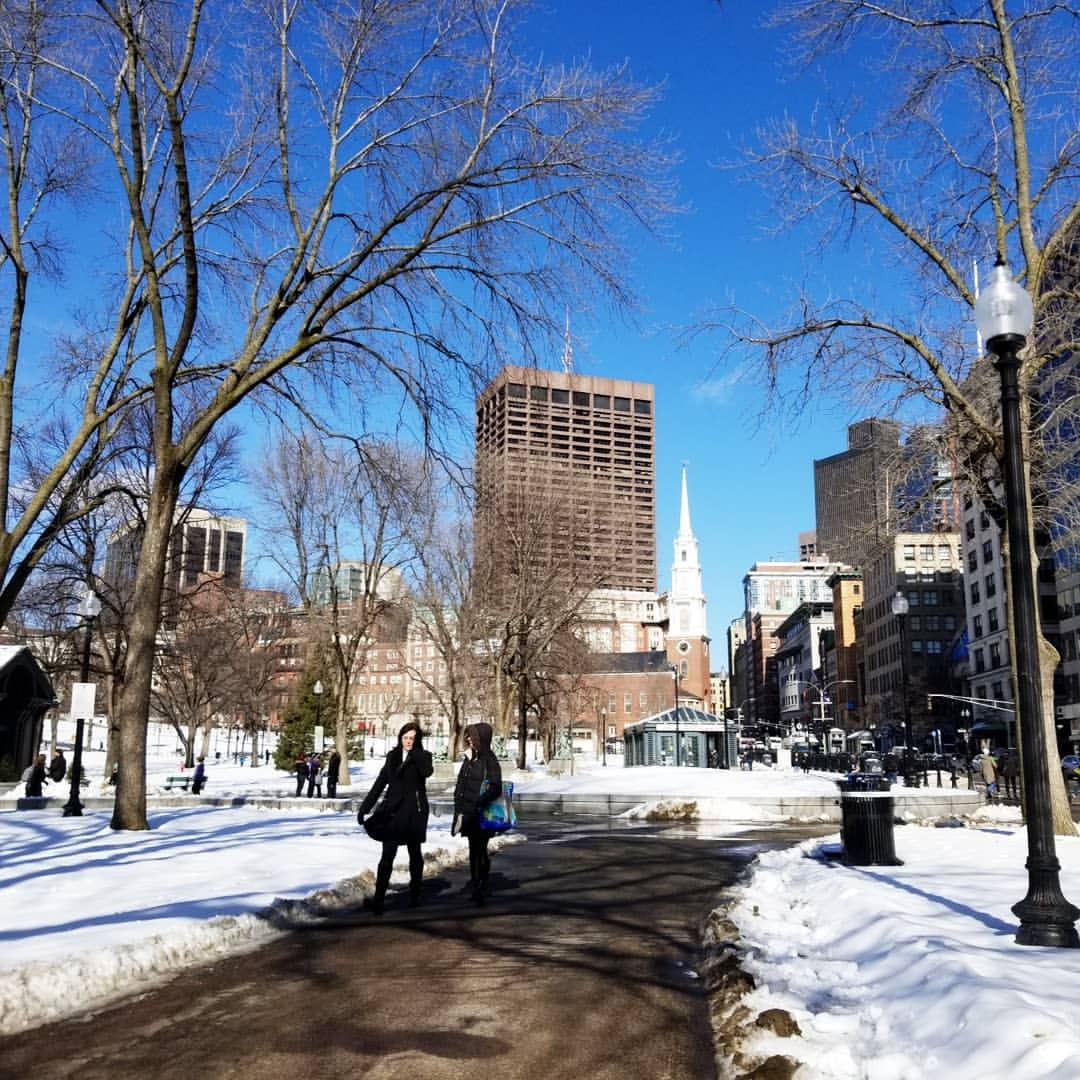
(568, 351)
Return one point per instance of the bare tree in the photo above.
(446, 616)
(968, 149)
(193, 674)
(531, 591)
(384, 197)
(349, 514)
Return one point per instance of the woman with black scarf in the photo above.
(403, 777)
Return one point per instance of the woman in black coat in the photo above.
(471, 795)
(403, 777)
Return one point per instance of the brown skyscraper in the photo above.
(584, 447)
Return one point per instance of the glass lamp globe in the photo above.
(1003, 309)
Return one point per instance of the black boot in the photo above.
(374, 903)
(414, 893)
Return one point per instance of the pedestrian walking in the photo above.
(1010, 774)
(479, 782)
(36, 778)
(300, 767)
(403, 778)
(313, 768)
(332, 769)
(198, 777)
(988, 768)
(58, 767)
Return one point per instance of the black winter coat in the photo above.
(406, 794)
(468, 799)
(37, 779)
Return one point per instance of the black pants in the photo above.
(386, 867)
(479, 859)
(299, 784)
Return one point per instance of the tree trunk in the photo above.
(129, 811)
(341, 739)
(1060, 809)
(1061, 812)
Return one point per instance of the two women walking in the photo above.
(404, 810)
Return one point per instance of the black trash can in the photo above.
(866, 821)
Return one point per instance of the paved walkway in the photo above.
(580, 967)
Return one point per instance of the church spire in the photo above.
(684, 510)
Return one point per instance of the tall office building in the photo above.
(202, 545)
(855, 491)
(577, 454)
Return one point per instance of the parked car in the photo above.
(1071, 761)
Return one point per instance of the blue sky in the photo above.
(750, 484)
(751, 487)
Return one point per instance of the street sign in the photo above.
(82, 700)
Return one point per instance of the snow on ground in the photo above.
(892, 973)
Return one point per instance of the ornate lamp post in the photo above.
(900, 609)
(1003, 315)
(678, 736)
(89, 609)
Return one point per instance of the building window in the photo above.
(909, 553)
(927, 552)
(996, 690)
(988, 551)
(995, 654)
(980, 661)
(973, 560)
(944, 553)
(969, 528)
(992, 619)
(974, 592)
(934, 647)
(628, 702)
(991, 585)
(930, 598)
(977, 626)
(915, 623)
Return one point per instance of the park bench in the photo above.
(179, 781)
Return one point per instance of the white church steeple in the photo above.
(686, 602)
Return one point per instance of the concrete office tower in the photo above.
(203, 545)
(855, 491)
(581, 448)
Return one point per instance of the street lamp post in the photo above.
(900, 609)
(89, 609)
(603, 736)
(1003, 315)
(678, 735)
